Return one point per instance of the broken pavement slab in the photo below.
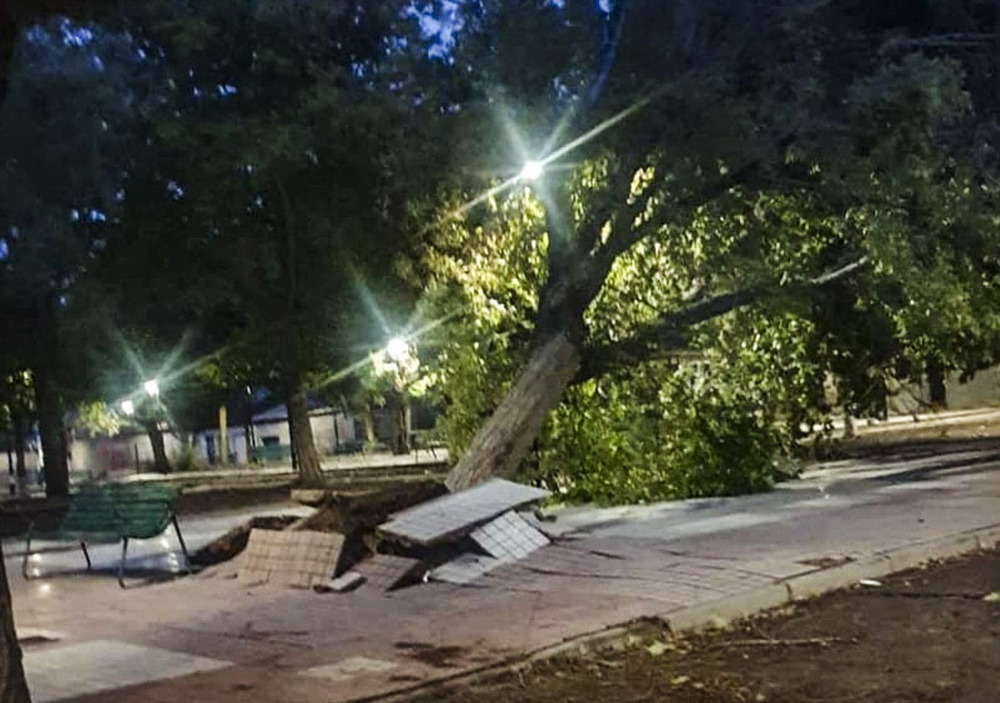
(297, 558)
(345, 583)
(457, 514)
(465, 569)
(385, 571)
(509, 537)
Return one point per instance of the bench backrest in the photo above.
(90, 510)
(128, 510)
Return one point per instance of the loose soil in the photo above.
(354, 516)
(233, 542)
(924, 635)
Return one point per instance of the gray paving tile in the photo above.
(465, 569)
(294, 558)
(509, 537)
(384, 571)
(459, 513)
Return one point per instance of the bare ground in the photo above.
(926, 635)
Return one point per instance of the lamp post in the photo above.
(149, 414)
(402, 364)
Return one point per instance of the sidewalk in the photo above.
(211, 639)
(345, 467)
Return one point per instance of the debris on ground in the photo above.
(299, 558)
(357, 517)
(233, 542)
(484, 516)
(457, 514)
(345, 583)
(389, 539)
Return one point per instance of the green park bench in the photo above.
(112, 513)
(270, 452)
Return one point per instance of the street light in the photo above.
(532, 171)
(128, 407)
(152, 388)
(398, 349)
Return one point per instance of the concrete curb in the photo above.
(725, 610)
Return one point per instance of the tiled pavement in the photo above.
(276, 644)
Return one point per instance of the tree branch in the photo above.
(625, 234)
(669, 330)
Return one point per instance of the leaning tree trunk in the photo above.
(13, 687)
(160, 462)
(303, 445)
(502, 443)
(53, 434)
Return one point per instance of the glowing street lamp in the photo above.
(152, 388)
(128, 407)
(532, 171)
(398, 349)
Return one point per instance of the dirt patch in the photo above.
(365, 512)
(354, 516)
(215, 499)
(357, 517)
(445, 657)
(233, 542)
(924, 635)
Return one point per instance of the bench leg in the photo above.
(184, 549)
(121, 564)
(26, 559)
(86, 555)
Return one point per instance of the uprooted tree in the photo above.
(751, 162)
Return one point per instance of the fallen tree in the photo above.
(739, 194)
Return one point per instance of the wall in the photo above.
(981, 391)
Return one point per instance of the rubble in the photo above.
(392, 539)
(457, 514)
(300, 558)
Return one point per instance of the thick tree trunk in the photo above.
(396, 405)
(20, 426)
(303, 445)
(13, 687)
(502, 443)
(160, 462)
(369, 417)
(53, 434)
(935, 383)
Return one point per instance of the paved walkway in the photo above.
(341, 466)
(213, 639)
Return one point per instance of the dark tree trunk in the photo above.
(369, 418)
(935, 384)
(303, 445)
(13, 687)
(20, 427)
(53, 434)
(160, 462)
(396, 405)
(8, 38)
(502, 443)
